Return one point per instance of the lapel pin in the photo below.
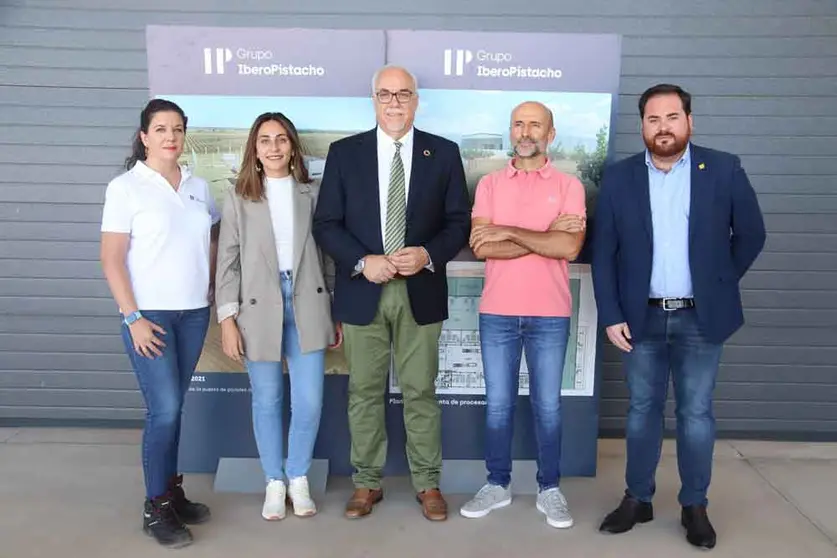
(701, 166)
(427, 153)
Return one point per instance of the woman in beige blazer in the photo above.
(274, 303)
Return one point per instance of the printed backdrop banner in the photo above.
(531, 62)
(468, 85)
(263, 62)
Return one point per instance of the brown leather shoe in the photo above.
(433, 504)
(362, 502)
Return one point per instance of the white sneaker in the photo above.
(553, 505)
(300, 495)
(274, 501)
(490, 497)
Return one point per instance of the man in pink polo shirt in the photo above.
(528, 223)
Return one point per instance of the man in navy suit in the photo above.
(393, 210)
(676, 228)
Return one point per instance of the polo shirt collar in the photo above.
(545, 171)
(147, 172)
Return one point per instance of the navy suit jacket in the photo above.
(347, 222)
(726, 234)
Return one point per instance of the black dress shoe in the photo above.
(699, 531)
(630, 512)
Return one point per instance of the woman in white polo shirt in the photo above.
(158, 240)
(274, 303)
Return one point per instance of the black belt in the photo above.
(670, 304)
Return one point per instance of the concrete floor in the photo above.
(70, 492)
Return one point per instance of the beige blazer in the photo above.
(247, 283)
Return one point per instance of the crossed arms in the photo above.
(562, 241)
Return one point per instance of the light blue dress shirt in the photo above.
(670, 194)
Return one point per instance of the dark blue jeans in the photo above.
(672, 344)
(164, 381)
(502, 340)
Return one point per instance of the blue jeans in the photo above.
(164, 381)
(672, 343)
(307, 372)
(502, 339)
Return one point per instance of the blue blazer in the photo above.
(347, 222)
(726, 234)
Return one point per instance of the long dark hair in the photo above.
(250, 182)
(153, 107)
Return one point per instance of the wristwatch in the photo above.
(132, 317)
(361, 263)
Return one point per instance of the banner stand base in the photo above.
(244, 475)
(467, 476)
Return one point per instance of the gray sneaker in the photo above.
(490, 497)
(553, 505)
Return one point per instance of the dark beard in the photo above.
(676, 146)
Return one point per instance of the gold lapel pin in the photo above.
(427, 153)
(701, 166)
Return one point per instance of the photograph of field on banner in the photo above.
(218, 128)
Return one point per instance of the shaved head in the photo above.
(533, 108)
(532, 131)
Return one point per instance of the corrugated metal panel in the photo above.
(764, 76)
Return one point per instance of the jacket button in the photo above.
(252, 301)
(319, 289)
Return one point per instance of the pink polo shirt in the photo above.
(531, 285)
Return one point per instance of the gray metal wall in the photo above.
(764, 77)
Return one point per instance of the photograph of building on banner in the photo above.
(460, 356)
(479, 122)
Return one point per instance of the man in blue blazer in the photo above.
(676, 228)
(393, 210)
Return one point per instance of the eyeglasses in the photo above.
(385, 97)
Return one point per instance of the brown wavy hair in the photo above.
(250, 182)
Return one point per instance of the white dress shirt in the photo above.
(386, 151)
(280, 202)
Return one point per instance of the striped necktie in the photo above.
(396, 205)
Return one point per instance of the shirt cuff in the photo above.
(227, 310)
(429, 265)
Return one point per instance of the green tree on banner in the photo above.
(590, 165)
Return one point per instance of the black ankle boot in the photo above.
(190, 513)
(161, 522)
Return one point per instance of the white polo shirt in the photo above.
(168, 254)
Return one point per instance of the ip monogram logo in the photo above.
(222, 56)
(463, 57)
